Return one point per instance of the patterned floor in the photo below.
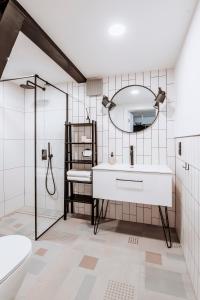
(70, 263)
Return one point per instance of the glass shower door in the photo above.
(51, 115)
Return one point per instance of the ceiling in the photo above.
(155, 31)
(27, 59)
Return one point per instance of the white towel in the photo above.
(79, 173)
(83, 179)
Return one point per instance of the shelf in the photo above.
(80, 198)
(79, 124)
(79, 161)
(76, 181)
(70, 143)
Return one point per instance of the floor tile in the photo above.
(119, 290)
(166, 282)
(41, 252)
(88, 262)
(86, 287)
(154, 258)
(35, 266)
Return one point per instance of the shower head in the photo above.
(31, 85)
(27, 86)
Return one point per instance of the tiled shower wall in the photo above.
(188, 205)
(155, 145)
(51, 117)
(11, 147)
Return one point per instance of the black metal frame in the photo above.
(35, 138)
(165, 226)
(123, 89)
(69, 196)
(164, 221)
(35, 85)
(100, 215)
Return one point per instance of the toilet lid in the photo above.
(13, 251)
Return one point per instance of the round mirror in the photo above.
(132, 108)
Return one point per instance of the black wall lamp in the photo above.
(107, 104)
(160, 98)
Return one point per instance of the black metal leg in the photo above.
(72, 207)
(100, 215)
(66, 209)
(97, 207)
(92, 214)
(166, 227)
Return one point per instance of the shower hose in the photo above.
(49, 169)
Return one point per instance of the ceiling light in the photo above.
(135, 92)
(117, 30)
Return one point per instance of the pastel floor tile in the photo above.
(86, 287)
(18, 225)
(154, 258)
(36, 266)
(119, 290)
(166, 282)
(41, 252)
(70, 263)
(88, 262)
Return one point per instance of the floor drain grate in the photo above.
(119, 290)
(133, 240)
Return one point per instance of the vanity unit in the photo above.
(145, 184)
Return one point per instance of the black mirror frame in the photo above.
(113, 102)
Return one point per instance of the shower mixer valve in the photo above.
(44, 154)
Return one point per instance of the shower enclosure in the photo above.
(33, 113)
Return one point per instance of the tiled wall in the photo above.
(188, 205)
(11, 147)
(155, 145)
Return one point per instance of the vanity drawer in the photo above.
(145, 188)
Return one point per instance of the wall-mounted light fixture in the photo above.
(160, 98)
(107, 104)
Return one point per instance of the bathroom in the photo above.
(99, 195)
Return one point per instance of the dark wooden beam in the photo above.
(37, 35)
(11, 21)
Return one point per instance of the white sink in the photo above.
(146, 184)
(135, 168)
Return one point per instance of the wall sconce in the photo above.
(160, 98)
(107, 104)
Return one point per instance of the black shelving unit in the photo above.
(70, 162)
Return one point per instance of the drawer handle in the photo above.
(118, 179)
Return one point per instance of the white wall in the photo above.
(188, 124)
(155, 145)
(11, 148)
(188, 82)
(188, 206)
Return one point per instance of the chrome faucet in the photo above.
(131, 155)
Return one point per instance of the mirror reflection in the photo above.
(134, 108)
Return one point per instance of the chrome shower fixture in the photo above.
(108, 104)
(31, 85)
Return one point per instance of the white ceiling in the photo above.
(154, 36)
(27, 59)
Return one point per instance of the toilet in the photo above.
(15, 252)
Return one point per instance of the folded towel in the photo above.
(82, 179)
(79, 173)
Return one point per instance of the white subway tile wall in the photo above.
(155, 145)
(188, 205)
(51, 117)
(12, 143)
